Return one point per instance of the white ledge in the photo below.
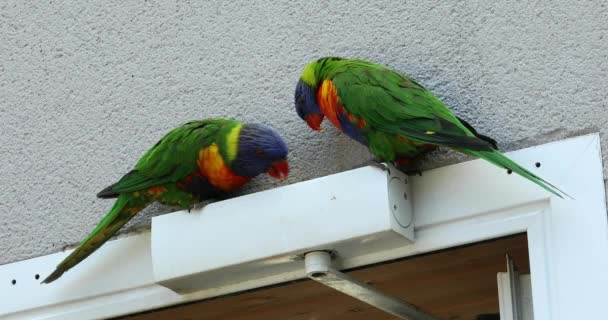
(255, 240)
(351, 213)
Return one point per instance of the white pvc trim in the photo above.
(458, 204)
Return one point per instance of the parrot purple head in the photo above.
(260, 149)
(307, 106)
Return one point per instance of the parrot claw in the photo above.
(408, 166)
(415, 172)
(374, 163)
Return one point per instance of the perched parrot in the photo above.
(391, 114)
(197, 161)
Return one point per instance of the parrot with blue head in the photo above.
(390, 113)
(197, 161)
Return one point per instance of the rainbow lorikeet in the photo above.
(391, 114)
(194, 162)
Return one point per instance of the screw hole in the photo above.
(405, 181)
(318, 274)
(37, 276)
(509, 171)
(405, 196)
(395, 207)
(537, 164)
(14, 282)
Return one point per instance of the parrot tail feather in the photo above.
(500, 160)
(121, 213)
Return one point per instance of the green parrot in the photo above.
(393, 115)
(197, 161)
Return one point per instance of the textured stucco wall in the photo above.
(85, 88)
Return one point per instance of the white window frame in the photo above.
(454, 205)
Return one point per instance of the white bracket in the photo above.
(266, 233)
(319, 268)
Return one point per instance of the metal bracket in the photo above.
(318, 268)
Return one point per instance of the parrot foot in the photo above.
(195, 206)
(192, 207)
(415, 172)
(224, 196)
(374, 163)
(407, 166)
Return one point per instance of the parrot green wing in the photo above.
(391, 102)
(171, 159)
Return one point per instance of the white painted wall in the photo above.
(85, 88)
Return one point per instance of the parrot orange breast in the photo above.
(329, 103)
(212, 166)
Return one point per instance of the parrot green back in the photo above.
(360, 82)
(394, 104)
(174, 156)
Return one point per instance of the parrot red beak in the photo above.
(314, 121)
(279, 170)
